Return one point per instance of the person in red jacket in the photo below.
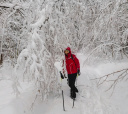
(73, 68)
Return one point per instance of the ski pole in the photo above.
(63, 100)
(73, 103)
(62, 90)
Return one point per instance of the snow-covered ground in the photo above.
(90, 99)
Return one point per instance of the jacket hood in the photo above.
(69, 54)
(68, 48)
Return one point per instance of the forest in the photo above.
(35, 33)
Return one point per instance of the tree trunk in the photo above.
(1, 59)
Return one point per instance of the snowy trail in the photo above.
(82, 104)
(88, 101)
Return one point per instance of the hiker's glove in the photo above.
(78, 72)
(62, 77)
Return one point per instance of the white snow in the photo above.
(58, 66)
(90, 99)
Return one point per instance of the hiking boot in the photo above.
(76, 90)
(73, 95)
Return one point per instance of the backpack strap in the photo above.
(73, 58)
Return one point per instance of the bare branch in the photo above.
(4, 7)
(120, 77)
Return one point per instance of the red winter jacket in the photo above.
(72, 65)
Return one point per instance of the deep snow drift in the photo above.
(90, 99)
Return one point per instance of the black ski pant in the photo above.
(71, 81)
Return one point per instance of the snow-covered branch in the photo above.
(117, 76)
